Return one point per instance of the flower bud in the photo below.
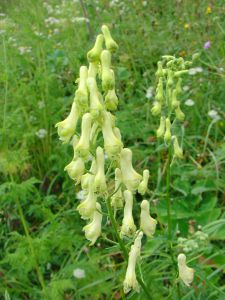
(159, 72)
(156, 109)
(112, 144)
(178, 152)
(178, 86)
(96, 106)
(87, 207)
(174, 101)
(180, 73)
(81, 94)
(131, 178)
(142, 188)
(167, 135)
(110, 44)
(82, 148)
(86, 177)
(130, 281)
(186, 274)
(117, 198)
(75, 169)
(147, 223)
(67, 127)
(128, 227)
(170, 78)
(93, 229)
(111, 100)
(179, 114)
(100, 180)
(159, 91)
(108, 79)
(161, 130)
(94, 54)
(93, 69)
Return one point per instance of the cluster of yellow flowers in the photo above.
(167, 104)
(94, 106)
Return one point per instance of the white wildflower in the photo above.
(149, 92)
(79, 273)
(23, 50)
(189, 102)
(213, 114)
(41, 133)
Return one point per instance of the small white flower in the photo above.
(194, 71)
(51, 21)
(2, 15)
(23, 50)
(41, 133)
(213, 114)
(189, 102)
(81, 195)
(198, 69)
(79, 273)
(37, 33)
(149, 92)
(186, 88)
(79, 20)
(41, 104)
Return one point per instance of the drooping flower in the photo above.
(143, 186)
(161, 130)
(75, 169)
(117, 198)
(131, 178)
(93, 229)
(186, 274)
(130, 281)
(128, 227)
(147, 223)
(100, 179)
(86, 177)
(178, 151)
(94, 54)
(112, 144)
(87, 207)
(167, 135)
(96, 107)
(111, 45)
(108, 78)
(82, 147)
(66, 128)
(81, 94)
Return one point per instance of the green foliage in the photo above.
(42, 46)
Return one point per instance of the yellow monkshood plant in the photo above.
(98, 152)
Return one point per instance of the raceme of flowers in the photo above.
(99, 151)
(168, 104)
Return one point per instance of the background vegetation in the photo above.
(41, 240)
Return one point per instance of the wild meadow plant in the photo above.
(100, 155)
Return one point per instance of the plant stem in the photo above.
(22, 218)
(168, 200)
(122, 245)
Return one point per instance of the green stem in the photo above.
(122, 245)
(22, 218)
(168, 200)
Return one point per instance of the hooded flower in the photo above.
(143, 186)
(161, 130)
(117, 198)
(108, 78)
(93, 229)
(94, 54)
(131, 178)
(112, 143)
(96, 106)
(130, 281)
(167, 135)
(75, 169)
(186, 274)
(87, 207)
(86, 177)
(100, 180)
(81, 95)
(66, 128)
(178, 152)
(147, 223)
(128, 227)
(111, 45)
(82, 147)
